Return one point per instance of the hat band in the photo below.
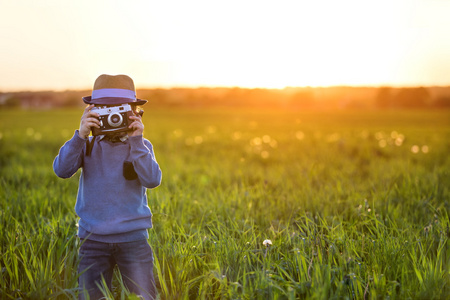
(113, 93)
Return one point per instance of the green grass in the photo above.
(356, 205)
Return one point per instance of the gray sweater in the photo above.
(112, 199)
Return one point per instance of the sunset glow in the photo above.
(55, 45)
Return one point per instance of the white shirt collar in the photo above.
(123, 138)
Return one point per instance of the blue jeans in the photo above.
(135, 262)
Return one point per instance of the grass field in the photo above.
(356, 205)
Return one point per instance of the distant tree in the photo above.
(442, 102)
(302, 98)
(412, 97)
(71, 101)
(156, 96)
(235, 96)
(13, 102)
(384, 97)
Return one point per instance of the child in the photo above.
(117, 170)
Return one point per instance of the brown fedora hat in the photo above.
(113, 90)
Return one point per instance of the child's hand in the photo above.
(136, 125)
(89, 119)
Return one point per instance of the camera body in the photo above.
(113, 119)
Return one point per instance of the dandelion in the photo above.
(198, 140)
(236, 135)
(266, 139)
(300, 135)
(30, 131)
(425, 149)
(211, 129)
(177, 133)
(256, 141)
(333, 137)
(253, 124)
(267, 243)
(415, 149)
(38, 136)
(382, 143)
(364, 134)
(257, 149)
(265, 154)
(379, 135)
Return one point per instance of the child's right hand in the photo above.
(89, 119)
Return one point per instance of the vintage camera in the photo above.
(113, 119)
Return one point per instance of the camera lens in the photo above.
(115, 120)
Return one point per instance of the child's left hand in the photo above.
(136, 125)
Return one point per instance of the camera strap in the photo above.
(89, 145)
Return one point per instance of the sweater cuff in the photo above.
(77, 134)
(77, 140)
(137, 140)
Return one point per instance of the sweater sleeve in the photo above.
(144, 162)
(70, 157)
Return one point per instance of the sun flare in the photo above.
(303, 43)
(233, 43)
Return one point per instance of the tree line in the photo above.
(290, 97)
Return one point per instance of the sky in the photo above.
(59, 44)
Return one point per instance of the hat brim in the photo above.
(113, 101)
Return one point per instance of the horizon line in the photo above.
(193, 87)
